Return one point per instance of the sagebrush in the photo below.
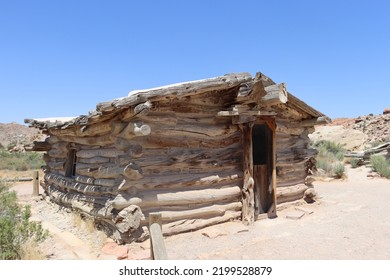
(15, 228)
(381, 165)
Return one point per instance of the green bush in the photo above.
(15, 227)
(330, 158)
(20, 161)
(338, 170)
(355, 162)
(380, 165)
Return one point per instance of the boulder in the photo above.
(386, 111)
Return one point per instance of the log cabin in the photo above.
(200, 153)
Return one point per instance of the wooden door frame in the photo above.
(248, 199)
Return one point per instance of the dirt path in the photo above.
(351, 220)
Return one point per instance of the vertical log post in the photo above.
(157, 245)
(248, 198)
(272, 209)
(35, 183)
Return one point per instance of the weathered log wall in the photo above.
(179, 159)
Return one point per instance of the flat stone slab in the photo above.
(295, 215)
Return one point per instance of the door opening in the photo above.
(262, 148)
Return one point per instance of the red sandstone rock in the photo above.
(119, 251)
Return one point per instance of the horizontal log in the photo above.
(183, 89)
(201, 181)
(92, 206)
(56, 164)
(93, 160)
(178, 198)
(315, 121)
(107, 153)
(156, 141)
(196, 224)
(110, 171)
(202, 212)
(87, 189)
(288, 194)
(85, 180)
(104, 140)
(54, 153)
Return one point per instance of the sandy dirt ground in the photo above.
(350, 221)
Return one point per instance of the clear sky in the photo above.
(61, 58)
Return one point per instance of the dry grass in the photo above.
(30, 251)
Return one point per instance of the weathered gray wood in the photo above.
(35, 176)
(248, 203)
(153, 199)
(157, 245)
(315, 121)
(275, 94)
(97, 153)
(196, 224)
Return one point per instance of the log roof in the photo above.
(139, 100)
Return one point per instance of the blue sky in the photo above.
(60, 58)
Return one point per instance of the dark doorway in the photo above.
(262, 144)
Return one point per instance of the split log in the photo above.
(196, 130)
(106, 153)
(107, 182)
(153, 199)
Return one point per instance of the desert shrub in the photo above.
(380, 165)
(338, 169)
(354, 162)
(15, 228)
(329, 158)
(330, 146)
(20, 161)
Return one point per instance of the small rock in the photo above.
(310, 195)
(139, 255)
(212, 233)
(295, 215)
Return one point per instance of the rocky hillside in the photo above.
(356, 133)
(14, 136)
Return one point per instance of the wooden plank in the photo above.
(157, 244)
